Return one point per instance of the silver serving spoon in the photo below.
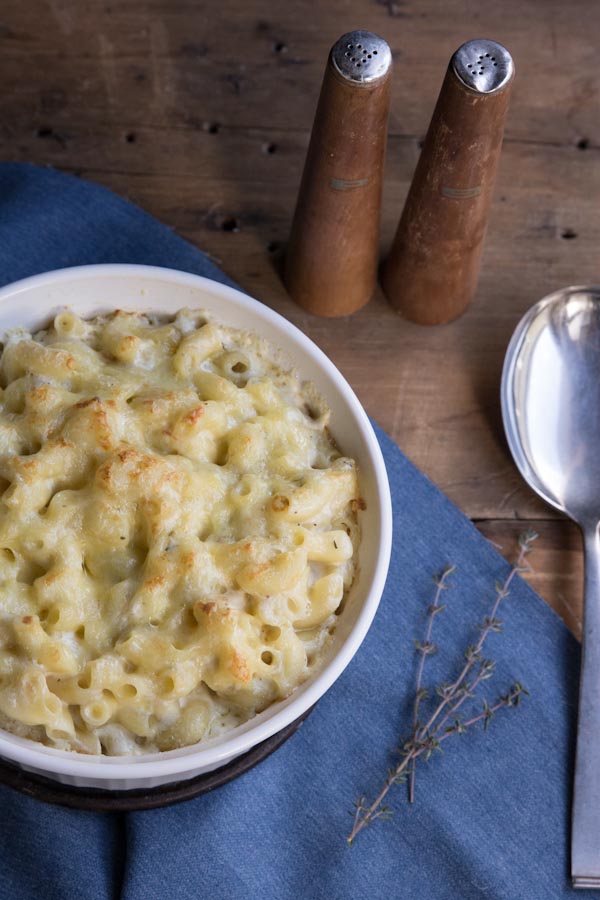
(551, 411)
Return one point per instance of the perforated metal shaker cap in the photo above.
(361, 57)
(483, 66)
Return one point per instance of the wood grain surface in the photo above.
(201, 113)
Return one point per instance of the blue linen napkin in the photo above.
(491, 819)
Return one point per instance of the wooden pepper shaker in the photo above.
(432, 269)
(331, 259)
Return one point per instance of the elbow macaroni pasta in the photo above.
(177, 531)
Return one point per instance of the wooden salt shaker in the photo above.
(431, 272)
(331, 259)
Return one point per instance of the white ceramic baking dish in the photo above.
(91, 290)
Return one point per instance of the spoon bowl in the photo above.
(551, 400)
(551, 412)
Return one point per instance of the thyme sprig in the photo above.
(445, 720)
(425, 649)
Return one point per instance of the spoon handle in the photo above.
(585, 836)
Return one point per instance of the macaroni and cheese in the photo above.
(177, 531)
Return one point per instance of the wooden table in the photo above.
(201, 112)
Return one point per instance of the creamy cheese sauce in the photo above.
(177, 531)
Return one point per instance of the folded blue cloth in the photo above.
(491, 818)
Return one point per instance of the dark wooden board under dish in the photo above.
(96, 800)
